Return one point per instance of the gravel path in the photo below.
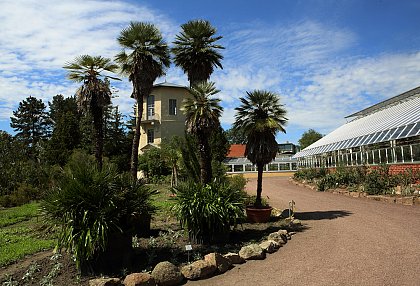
(348, 241)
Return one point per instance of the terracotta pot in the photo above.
(258, 214)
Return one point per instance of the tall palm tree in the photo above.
(196, 51)
(95, 94)
(144, 57)
(260, 116)
(202, 117)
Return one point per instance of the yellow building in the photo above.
(162, 117)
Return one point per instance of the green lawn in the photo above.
(20, 233)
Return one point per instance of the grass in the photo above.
(20, 233)
(163, 201)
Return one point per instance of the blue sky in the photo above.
(326, 59)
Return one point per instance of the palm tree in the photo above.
(259, 118)
(144, 57)
(196, 51)
(202, 117)
(95, 94)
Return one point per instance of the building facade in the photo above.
(385, 133)
(236, 161)
(162, 117)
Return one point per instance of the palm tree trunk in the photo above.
(98, 134)
(260, 168)
(136, 138)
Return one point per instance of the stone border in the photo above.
(400, 200)
(167, 274)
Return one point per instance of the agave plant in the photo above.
(89, 205)
(208, 211)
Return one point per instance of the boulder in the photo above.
(277, 237)
(139, 279)
(296, 222)
(252, 252)
(198, 269)
(221, 263)
(269, 246)
(234, 258)
(105, 282)
(167, 274)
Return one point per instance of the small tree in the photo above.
(260, 117)
(309, 137)
(31, 123)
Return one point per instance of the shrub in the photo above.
(310, 174)
(208, 211)
(377, 181)
(237, 182)
(90, 205)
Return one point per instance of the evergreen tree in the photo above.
(309, 137)
(66, 129)
(117, 144)
(31, 123)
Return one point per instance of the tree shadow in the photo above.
(320, 215)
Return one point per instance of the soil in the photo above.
(165, 241)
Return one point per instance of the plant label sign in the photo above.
(188, 247)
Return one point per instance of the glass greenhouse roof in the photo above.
(401, 119)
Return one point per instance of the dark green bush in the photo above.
(90, 205)
(237, 182)
(310, 174)
(208, 211)
(378, 181)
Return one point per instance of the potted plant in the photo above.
(259, 118)
(259, 215)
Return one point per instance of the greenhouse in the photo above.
(385, 133)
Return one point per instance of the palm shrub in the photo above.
(91, 205)
(208, 211)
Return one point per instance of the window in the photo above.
(172, 106)
(150, 107)
(150, 135)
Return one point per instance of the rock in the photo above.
(277, 237)
(296, 222)
(166, 274)
(105, 282)
(252, 252)
(139, 279)
(234, 258)
(292, 233)
(198, 269)
(222, 264)
(269, 246)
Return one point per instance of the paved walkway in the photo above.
(349, 241)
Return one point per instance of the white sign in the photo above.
(188, 247)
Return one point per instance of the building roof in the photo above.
(395, 118)
(236, 151)
(168, 84)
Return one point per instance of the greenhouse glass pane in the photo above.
(414, 130)
(397, 133)
(375, 138)
(407, 154)
(398, 154)
(406, 130)
(376, 157)
(382, 154)
(416, 152)
(389, 134)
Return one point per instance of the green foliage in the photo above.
(235, 136)
(208, 211)
(237, 182)
(66, 134)
(154, 165)
(259, 117)
(89, 205)
(196, 51)
(19, 233)
(31, 123)
(377, 181)
(310, 174)
(309, 137)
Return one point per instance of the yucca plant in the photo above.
(208, 211)
(89, 206)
